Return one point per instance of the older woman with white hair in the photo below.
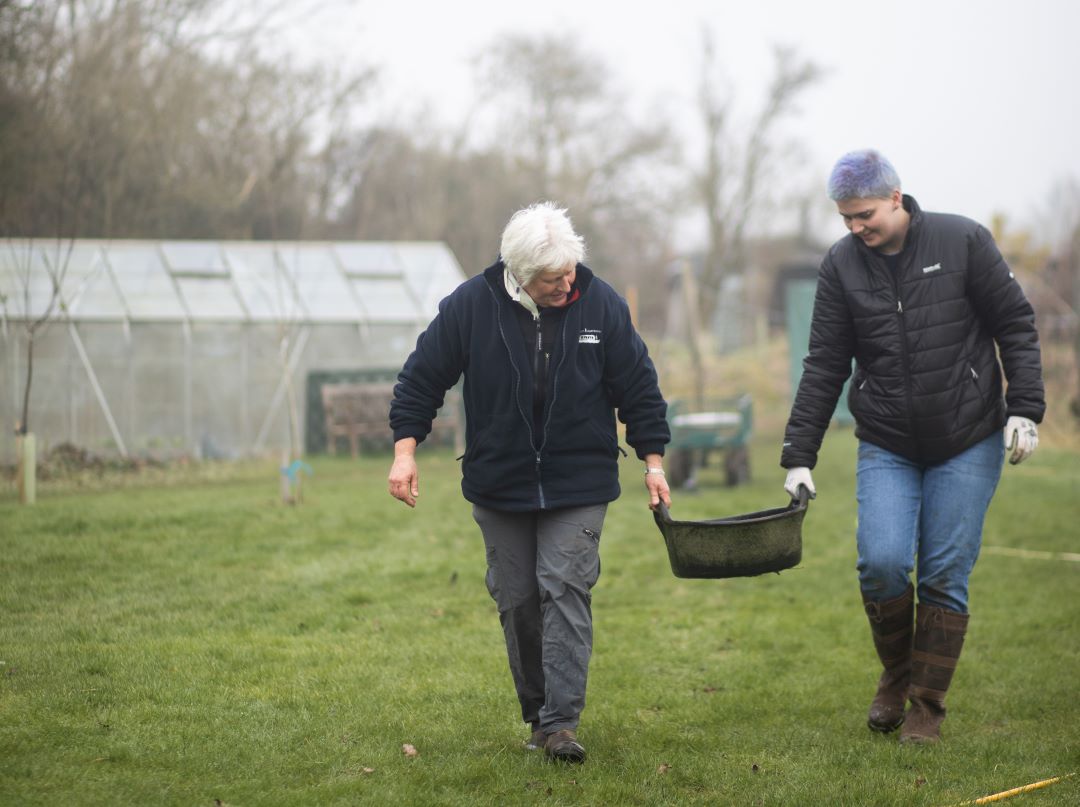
(549, 355)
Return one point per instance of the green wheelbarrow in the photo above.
(738, 546)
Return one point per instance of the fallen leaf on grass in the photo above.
(409, 750)
(664, 768)
(367, 771)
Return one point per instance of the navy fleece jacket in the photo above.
(600, 365)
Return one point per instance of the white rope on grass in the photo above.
(1031, 554)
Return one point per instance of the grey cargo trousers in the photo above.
(541, 570)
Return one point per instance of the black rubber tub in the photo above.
(738, 546)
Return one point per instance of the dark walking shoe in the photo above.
(564, 746)
(536, 741)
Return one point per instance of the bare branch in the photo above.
(730, 197)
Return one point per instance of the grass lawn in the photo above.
(202, 644)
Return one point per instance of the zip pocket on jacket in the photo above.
(976, 380)
(858, 382)
(609, 441)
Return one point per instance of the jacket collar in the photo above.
(498, 277)
(518, 294)
(914, 225)
(913, 209)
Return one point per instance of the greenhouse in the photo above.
(203, 349)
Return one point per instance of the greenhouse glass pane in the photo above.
(210, 299)
(88, 288)
(23, 271)
(320, 282)
(144, 282)
(194, 258)
(264, 287)
(371, 259)
(386, 300)
(432, 272)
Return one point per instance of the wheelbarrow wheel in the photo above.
(737, 466)
(680, 467)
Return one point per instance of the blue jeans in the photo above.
(934, 512)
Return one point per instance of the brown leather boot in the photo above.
(563, 746)
(891, 626)
(939, 638)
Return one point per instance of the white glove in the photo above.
(1021, 437)
(796, 477)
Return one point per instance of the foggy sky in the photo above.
(977, 103)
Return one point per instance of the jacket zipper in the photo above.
(904, 356)
(541, 368)
(538, 353)
(551, 405)
(517, 385)
(536, 378)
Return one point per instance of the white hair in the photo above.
(540, 238)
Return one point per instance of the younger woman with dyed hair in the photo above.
(924, 304)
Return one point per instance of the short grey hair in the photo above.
(863, 174)
(540, 238)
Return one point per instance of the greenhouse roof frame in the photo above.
(297, 286)
(344, 282)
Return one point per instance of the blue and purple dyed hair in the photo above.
(864, 174)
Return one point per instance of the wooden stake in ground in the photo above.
(26, 453)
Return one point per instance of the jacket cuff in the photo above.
(415, 432)
(789, 461)
(1034, 416)
(649, 448)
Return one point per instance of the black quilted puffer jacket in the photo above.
(927, 381)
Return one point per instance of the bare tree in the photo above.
(1046, 259)
(1074, 260)
(40, 303)
(45, 178)
(1064, 212)
(165, 117)
(568, 133)
(144, 118)
(549, 91)
(729, 183)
